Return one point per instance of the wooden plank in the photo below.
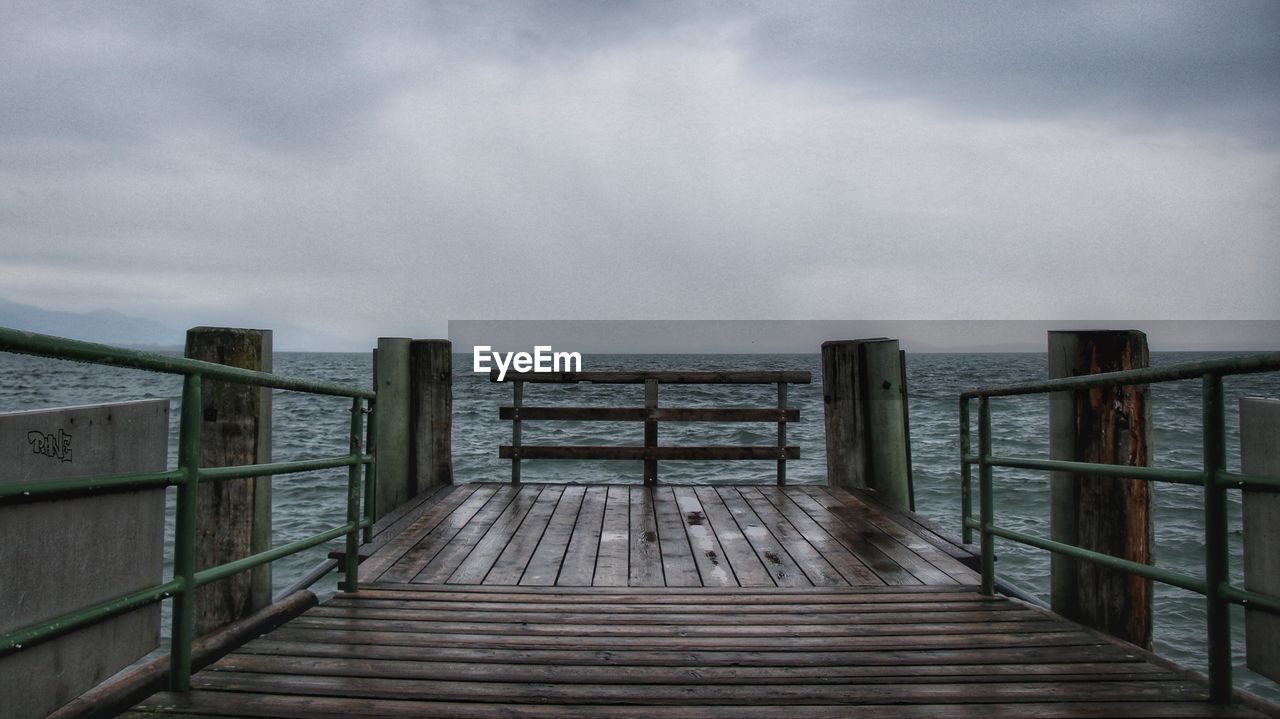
(208, 703)
(678, 566)
(679, 615)
(579, 566)
(677, 377)
(645, 566)
(776, 657)
(680, 594)
(515, 557)
(394, 522)
(375, 600)
(748, 568)
(708, 555)
(321, 631)
(849, 566)
(544, 565)
(451, 556)
(416, 558)
(477, 564)
(926, 631)
(614, 553)
(859, 543)
(395, 548)
(780, 565)
(873, 517)
(811, 561)
(859, 517)
(920, 526)
(688, 452)
(640, 414)
(646, 694)
(559, 673)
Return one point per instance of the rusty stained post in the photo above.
(1103, 514)
(235, 514)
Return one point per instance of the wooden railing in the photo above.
(651, 414)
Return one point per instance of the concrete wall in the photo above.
(1260, 454)
(61, 555)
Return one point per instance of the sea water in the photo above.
(306, 426)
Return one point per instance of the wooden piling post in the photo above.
(235, 514)
(865, 415)
(431, 415)
(392, 431)
(1103, 514)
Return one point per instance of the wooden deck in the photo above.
(593, 601)
(619, 536)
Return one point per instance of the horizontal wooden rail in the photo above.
(662, 377)
(641, 414)
(574, 451)
(650, 415)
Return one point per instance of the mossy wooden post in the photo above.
(431, 415)
(1104, 514)
(234, 515)
(864, 408)
(391, 384)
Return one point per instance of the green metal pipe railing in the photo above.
(67, 488)
(31, 343)
(1213, 477)
(1263, 362)
(187, 477)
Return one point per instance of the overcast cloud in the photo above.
(364, 170)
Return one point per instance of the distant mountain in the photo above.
(106, 326)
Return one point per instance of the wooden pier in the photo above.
(540, 600)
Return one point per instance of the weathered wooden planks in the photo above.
(633, 601)
(637, 536)
(473, 651)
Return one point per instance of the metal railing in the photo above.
(186, 477)
(650, 414)
(1213, 477)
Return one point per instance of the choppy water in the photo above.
(308, 426)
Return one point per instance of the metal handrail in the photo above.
(1213, 477)
(186, 477)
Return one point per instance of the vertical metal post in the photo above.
(966, 473)
(1215, 542)
(371, 473)
(782, 433)
(184, 540)
(651, 430)
(906, 432)
(517, 388)
(352, 558)
(985, 500)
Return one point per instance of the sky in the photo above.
(354, 170)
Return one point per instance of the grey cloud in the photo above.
(1209, 64)
(646, 159)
